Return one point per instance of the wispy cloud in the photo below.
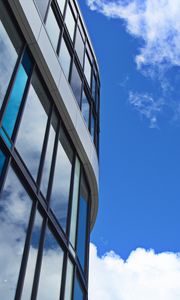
(157, 25)
(144, 275)
(147, 106)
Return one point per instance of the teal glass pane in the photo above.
(16, 96)
(2, 161)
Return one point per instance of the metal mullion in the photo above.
(63, 278)
(7, 153)
(25, 256)
(44, 148)
(39, 260)
(47, 11)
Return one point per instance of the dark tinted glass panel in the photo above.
(70, 22)
(51, 270)
(69, 281)
(78, 293)
(87, 69)
(16, 96)
(2, 161)
(48, 156)
(94, 87)
(15, 206)
(32, 128)
(10, 45)
(76, 84)
(61, 4)
(82, 223)
(85, 108)
(79, 46)
(42, 6)
(92, 126)
(52, 28)
(61, 181)
(65, 58)
(28, 281)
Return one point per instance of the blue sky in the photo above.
(136, 43)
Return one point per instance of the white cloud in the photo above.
(143, 276)
(157, 23)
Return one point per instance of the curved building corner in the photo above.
(49, 148)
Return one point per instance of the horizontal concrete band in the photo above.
(36, 36)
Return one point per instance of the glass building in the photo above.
(49, 144)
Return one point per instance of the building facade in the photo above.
(49, 144)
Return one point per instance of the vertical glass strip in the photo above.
(28, 281)
(16, 96)
(15, 208)
(78, 293)
(51, 270)
(69, 281)
(74, 210)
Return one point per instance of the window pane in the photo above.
(70, 22)
(61, 183)
(94, 87)
(87, 69)
(52, 28)
(85, 108)
(79, 46)
(69, 281)
(74, 209)
(48, 157)
(15, 206)
(42, 6)
(51, 270)
(28, 281)
(10, 45)
(61, 4)
(78, 293)
(33, 125)
(65, 58)
(76, 84)
(92, 126)
(82, 223)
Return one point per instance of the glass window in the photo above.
(52, 28)
(76, 84)
(85, 108)
(78, 293)
(87, 69)
(69, 280)
(79, 46)
(74, 209)
(10, 45)
(61, 4)
(61, 181)
(51, 269)
(33, 125)
(16, 95)
(42, 6)
(15, 207)
(94, 87)
(2, 161)
(28, 281)
(82, 223)
(65, 58)
(48, 156)
(70, 22)
(92, 126)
